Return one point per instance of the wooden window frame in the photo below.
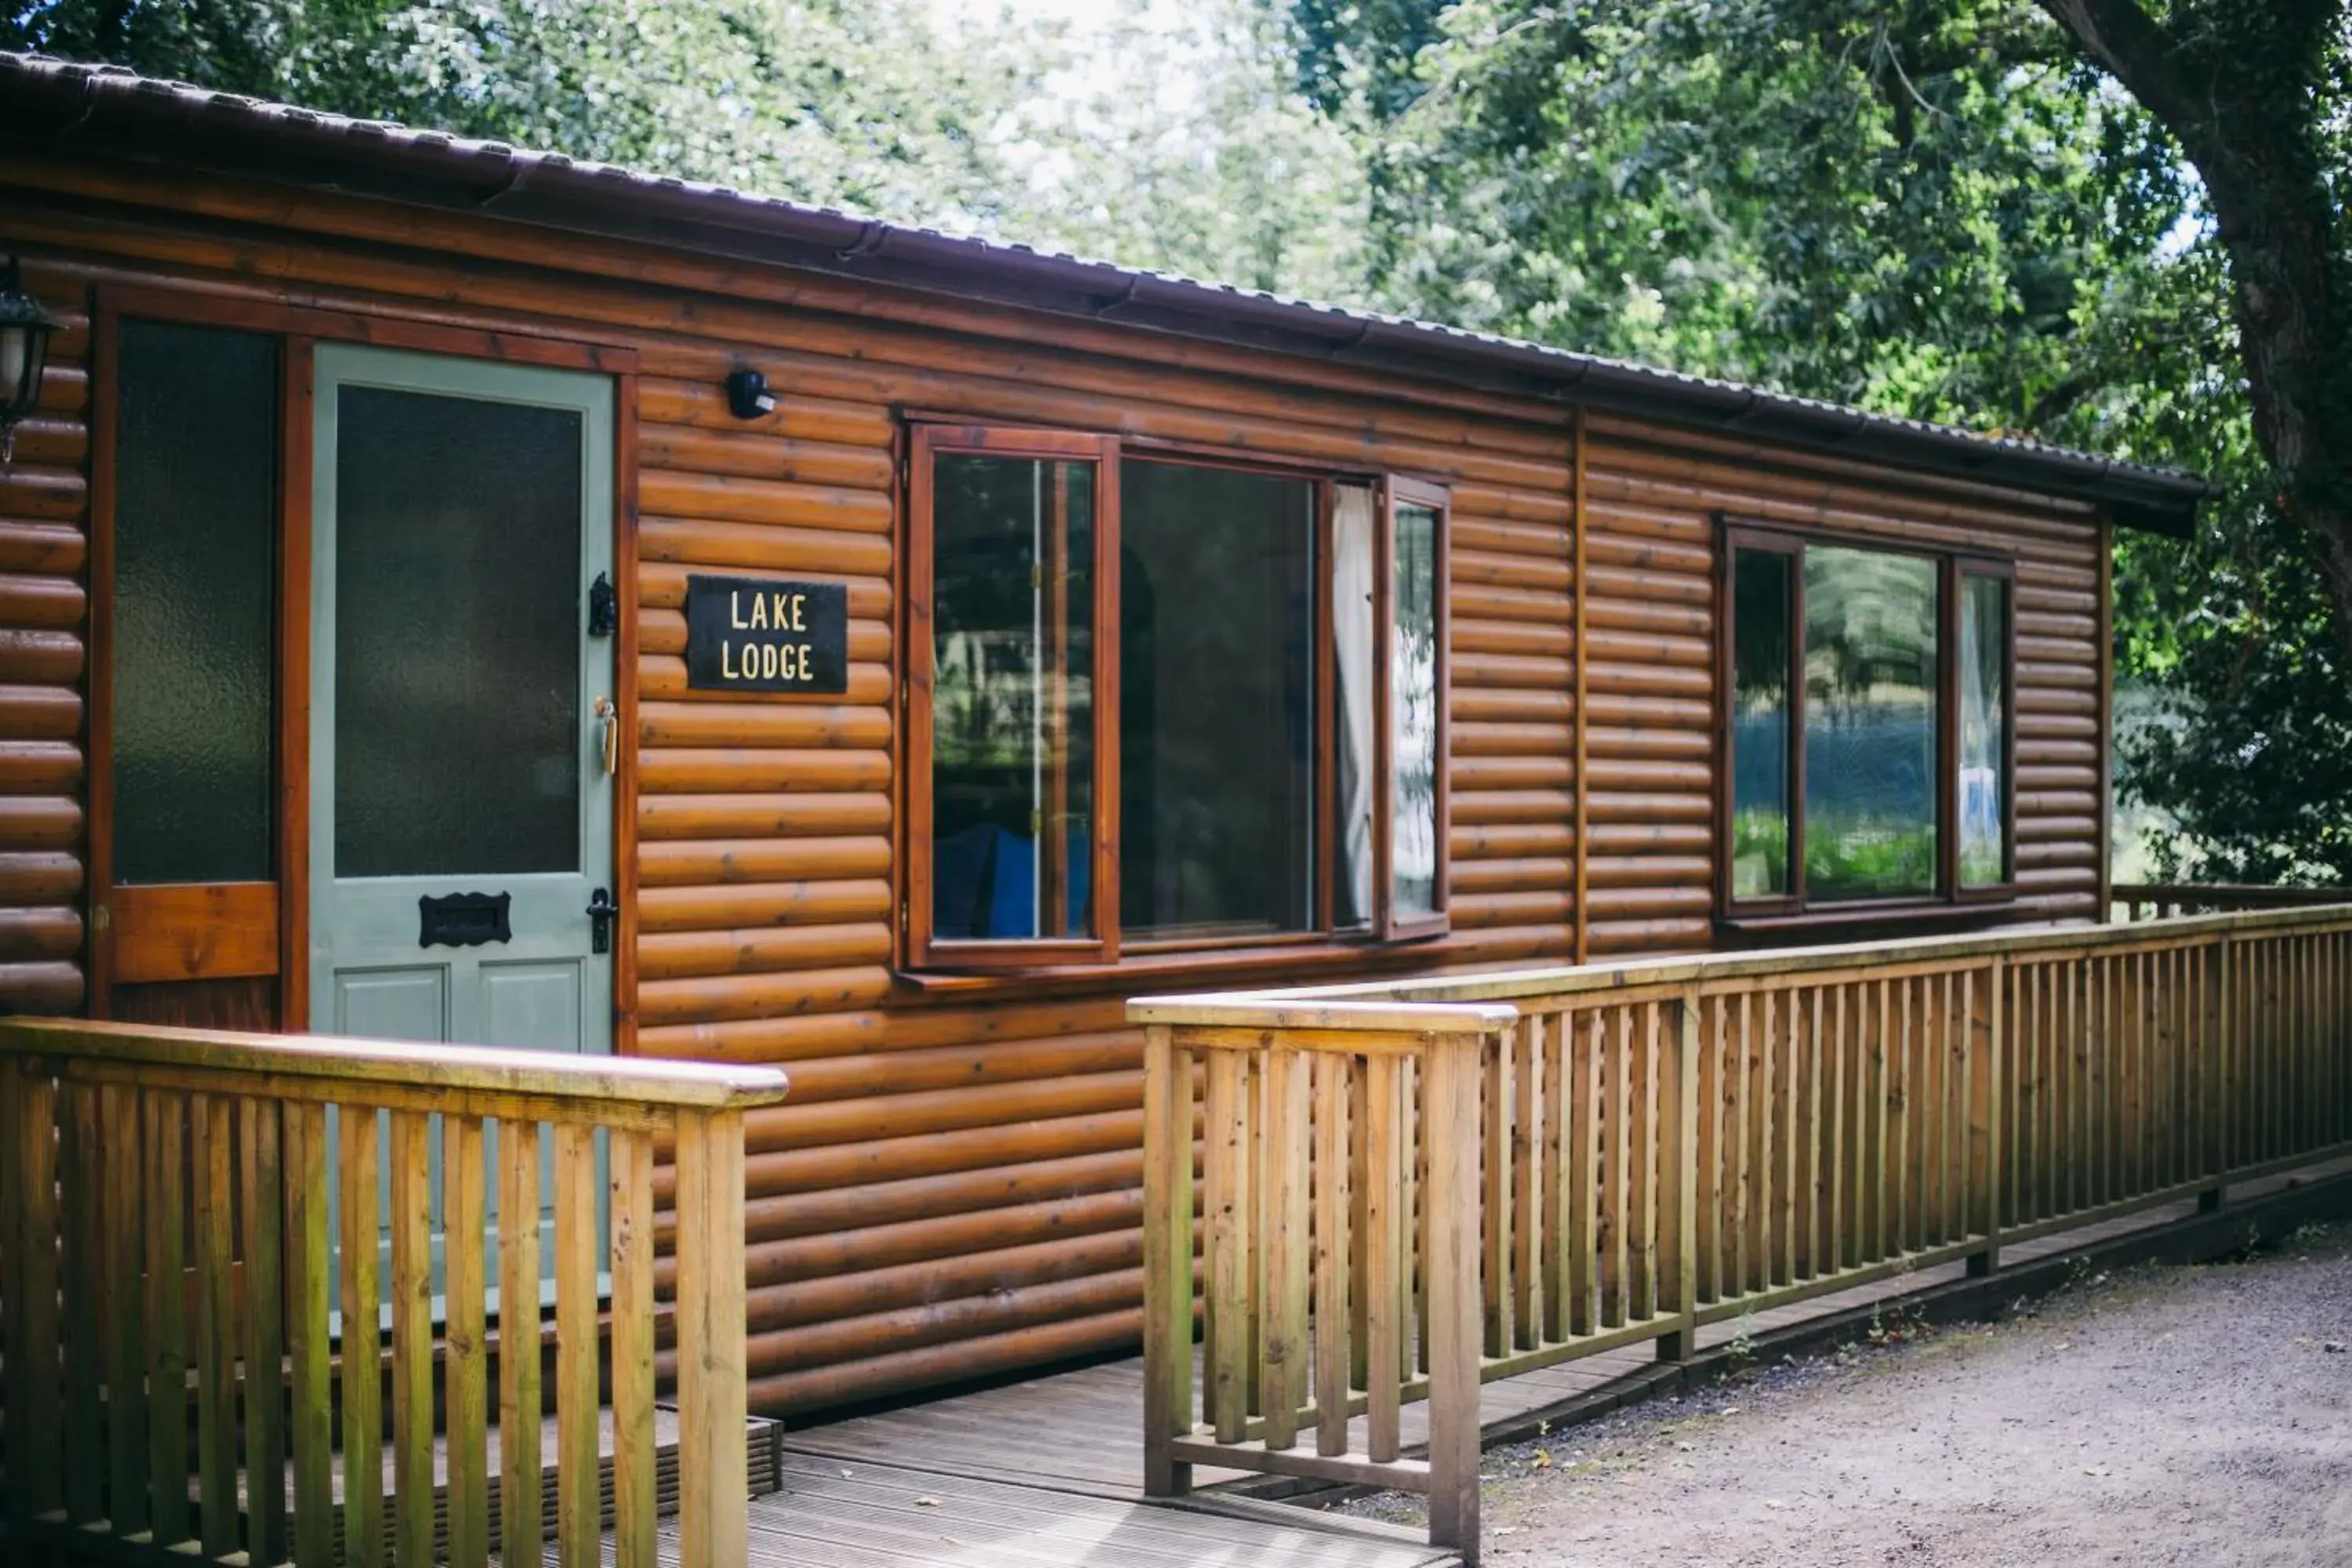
(151, 934)
(1797, 906)
(1397, 492)
(931, 442)
(953, 966)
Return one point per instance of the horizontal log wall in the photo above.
(1654, 498)
(44, 547)
(952, 1188)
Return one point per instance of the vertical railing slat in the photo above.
(126, 1369)
(1331, 1092)
(635, 1488)
(579, 1512)
(308, 1295)
(214, 1159)
(464, 1396)
(261, 1209)
(1283, 1247)
(412, 1339)
(521, 1404)
(1385, 1160)
(82, 1186)
(360, 1139)
(167, 1116)
(1226, 1197)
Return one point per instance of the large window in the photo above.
(1868, 707)
(1162, 703)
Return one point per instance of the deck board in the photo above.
(1082, 1430)
(832, 1515)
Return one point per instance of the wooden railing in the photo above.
(2162, 901)
(190, 1221)
(1409, 1189)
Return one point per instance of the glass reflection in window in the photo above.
(1013, 697)
(1870, 723)
(1216, 715)
(1761, 582)
(1984, 731)
(1412, 706)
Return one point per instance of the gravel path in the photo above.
(2193, 1416)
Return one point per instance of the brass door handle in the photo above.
(608, 713)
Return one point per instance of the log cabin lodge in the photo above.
(448, 592)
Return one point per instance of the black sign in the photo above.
(750, 634)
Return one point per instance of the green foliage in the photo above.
(1932, 208)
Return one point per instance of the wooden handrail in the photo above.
(2164, 899)
(384, 1064)
(1567, 1159)
(190, 1227)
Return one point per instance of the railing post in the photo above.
(1988, 1089)
(1456, 1290)
(1678, 1174)
(1167, 1260)
(714, 1483)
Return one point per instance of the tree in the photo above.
(1942, 208)
(2255, 92)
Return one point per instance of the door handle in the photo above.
(608, 714)
(602, 912)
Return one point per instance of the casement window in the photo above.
(1159, 702)
(1869, 725)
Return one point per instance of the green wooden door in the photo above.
(461, 816)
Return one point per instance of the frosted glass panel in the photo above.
(1760, 612)
(196, 523)
(1217, 703)
(1984, 730)
(1870, 723)
(1413, 697)
(1013, 742)
(459, 743)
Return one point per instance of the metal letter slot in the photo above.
(463, 920)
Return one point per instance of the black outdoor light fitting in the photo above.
(24, 330)
(747, 396)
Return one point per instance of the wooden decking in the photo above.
(1048, 1473)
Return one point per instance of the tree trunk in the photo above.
(2235, 82)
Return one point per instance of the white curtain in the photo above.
(1355, 515)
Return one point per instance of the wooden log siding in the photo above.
(950, 1191)
(44, 545)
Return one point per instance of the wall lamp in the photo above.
(24, 330)
(747, 396)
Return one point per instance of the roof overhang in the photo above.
(51, 104)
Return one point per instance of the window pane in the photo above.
(1413, 697)
(1761, 602)
(195, 605)
(1870, 723)
(1984, 728)
(1012, 740)
(1355, 526)
(1217, 794)
(460, 742)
